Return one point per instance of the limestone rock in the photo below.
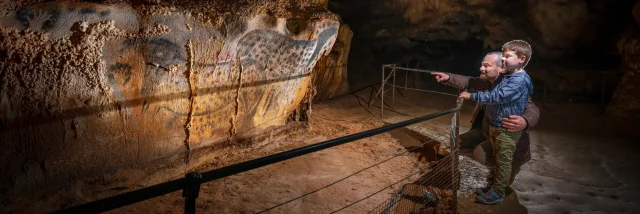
(87, 88)
(444, 31)
(626, 99)
(560, 23)
(330, 73)
(636, 12)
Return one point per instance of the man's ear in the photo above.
(522, 59)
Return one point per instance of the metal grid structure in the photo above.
(389, 79)
(435, 191)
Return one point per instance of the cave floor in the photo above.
(578, 166)
(575, 167)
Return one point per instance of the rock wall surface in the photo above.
(330, 73)
(624, 110)
(453, 35)
(87, 87)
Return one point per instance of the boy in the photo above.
(508, 97)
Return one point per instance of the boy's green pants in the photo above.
(503, 143)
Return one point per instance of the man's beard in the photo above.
(483, 76)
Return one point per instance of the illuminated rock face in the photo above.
(86, 88)
(330, 73)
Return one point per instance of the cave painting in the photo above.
(204, 83)
(269, 55)
(56, 18)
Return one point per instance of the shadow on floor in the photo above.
(467, 204)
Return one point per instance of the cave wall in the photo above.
(86, 88)
(574, 41)
(330, 73)
(624, 111)
(625, 102)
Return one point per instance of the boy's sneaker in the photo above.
(482, 190)
(490, 198)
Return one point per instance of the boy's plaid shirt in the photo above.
(507, 97)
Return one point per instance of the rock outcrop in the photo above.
(624, 110)
(573, 34)
(551, 25)
(330, 73)
(561, 25)
(86, 88)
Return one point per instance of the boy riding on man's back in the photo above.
(508, 97)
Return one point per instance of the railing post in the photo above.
(604, 91)
(191, 191)
(393, 88)
(455, 170)
(384, 81)
(454, 131)
(406, 79)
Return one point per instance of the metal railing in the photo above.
(435, 191)
(190, 184)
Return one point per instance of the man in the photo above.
(477, 136)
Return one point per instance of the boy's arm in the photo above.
(510, 91)
(531, 114)
(471, 83)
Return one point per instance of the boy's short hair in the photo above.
(521, 48)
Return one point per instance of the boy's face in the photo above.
(511, 60)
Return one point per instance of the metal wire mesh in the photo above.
(435, 191)
(432, 189)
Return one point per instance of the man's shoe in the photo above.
(490, 198)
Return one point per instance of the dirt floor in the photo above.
(575, 167)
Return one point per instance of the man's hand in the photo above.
(514, 123)
(465, 95)
(440, 77)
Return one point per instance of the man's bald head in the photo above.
(497, 54)
(491, 66)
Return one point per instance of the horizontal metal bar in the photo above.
(409, 69)
(417, 89)
(128, 198)
(146, 193)
(282, 156)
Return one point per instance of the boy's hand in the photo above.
(440, 77)
(465, 95)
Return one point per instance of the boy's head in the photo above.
(516, 54)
